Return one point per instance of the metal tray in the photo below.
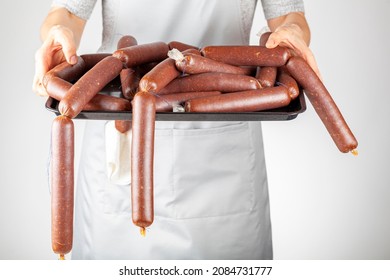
(289, 112)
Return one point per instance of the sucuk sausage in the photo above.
(266, 74)
(159, 77)
(141, 54)
(65, 71)
(123, 126)
(145, 68)
(166, 102)
(285, 79)
(181, 46)
(57, 88)
(224, 82)
(62, 185)
(248, 55)
(89, 85)
(129, 81)
(92, 59)
(128, 76)
(142, 151)
(245, 101)
(192, 51)
(196, 64)
(323, 104)
(126, 41)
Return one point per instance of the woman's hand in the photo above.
(293, 32)
(58, 47)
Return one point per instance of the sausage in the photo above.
(122, 126)
(129, 81)
(180, 46)
(65, 71)
(323, 104)
(62, 185)
(92, 59)
(196, 64)
(166, 102)
(192, 51)
(101, 102)
(285, 79)
(142, 150)
(128, 76)
(57, 89)
(126, 41)
(141, 54)
(248, 55)
(89, 85)
(266, 74)
(245, 101)
(160, 76)
(224, 82)
(264, 38)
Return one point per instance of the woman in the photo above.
(211, 193)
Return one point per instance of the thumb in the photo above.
(273, 41)
(64, 37)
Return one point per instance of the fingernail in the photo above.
(73, 60)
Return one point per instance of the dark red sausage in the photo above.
(142, 151)
(145, 68)
(246, 101)
(196, 64)
(264, 38)
(57, 89)
(62, 185)
(65, 71)
(180, 46)
(92, 59)
(122, 126)
(129, 82)
(89, 85)
(248, 55)
(192, 51)
(126, 41)
(223, 82)
(285, 79)
(323, 104)
(128, 76)
(141, 54)
(160, 76)
(266, 74)
(166, 102)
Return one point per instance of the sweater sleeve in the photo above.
(83, 9)
(277, 8)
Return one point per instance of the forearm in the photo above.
(296, 19)
(59, 16)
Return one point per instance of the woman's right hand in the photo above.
(59, 46)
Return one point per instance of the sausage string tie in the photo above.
(176, 55)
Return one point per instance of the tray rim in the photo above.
(268, 115)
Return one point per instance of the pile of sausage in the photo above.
(157, 77)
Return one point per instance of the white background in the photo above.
(324, 204)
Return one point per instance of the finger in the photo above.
(273, 40)
(41, 68)
(63, 37)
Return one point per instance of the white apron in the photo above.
(211, 194)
